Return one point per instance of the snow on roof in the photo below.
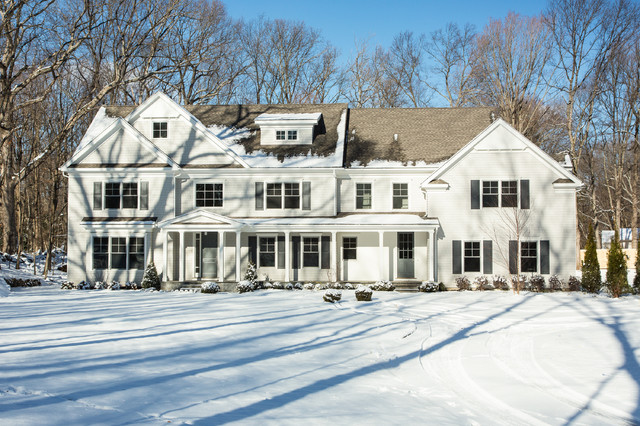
(291, 116)
(100, 122)
(259, 158)
(353, 219)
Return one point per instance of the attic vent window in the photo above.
(160, 129)
(287, 129)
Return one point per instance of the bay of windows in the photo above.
(118, 253)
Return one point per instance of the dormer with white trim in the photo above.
(287, 129)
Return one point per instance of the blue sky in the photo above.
(341, 22)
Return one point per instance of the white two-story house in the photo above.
(314, 193)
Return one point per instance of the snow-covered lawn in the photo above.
(287, 357)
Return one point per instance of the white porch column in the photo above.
(434, 250)
(333, 257)
(381, 255)
(165, 255)
(430, 263)
(238, 257)
(181, 262)
(221, 256)
(287, 257)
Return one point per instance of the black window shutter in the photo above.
(524, 194)
(281, 255)
(544, 257)
(259, 196)
(513, 256)
(457, 256)
(475, 194)
(325, 252)
(97, 195)
(144, 195)
(295, 252)
(253, 250)
(487, 257)
(306, 195)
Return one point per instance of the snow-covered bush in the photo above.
(337, 286)
(428, 287)
(29, 282)
(67, 285)
(114, 285)
(129, 285)
(348, 286)
(574, 283)
(84, 285)
(463, 283)
(555, 283)
(209, 287)
(297, 286)
(481, 283)
(308, 286)
(520, 282)
(383, 285)
(150, 277)
(277, 285)
(244, 286)
(251, 274)
(363, 293)
(536, 283)
(332, 295)
(500, 282)
(321, 286)
(100, 285)
(288, 286)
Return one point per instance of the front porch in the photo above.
(203, 246)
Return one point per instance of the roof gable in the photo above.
(500, 136)
(104, 149)
(200, 217)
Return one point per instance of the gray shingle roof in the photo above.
(423, 134)
(395, 134)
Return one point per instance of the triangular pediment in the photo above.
(200, 217)
(118, 144)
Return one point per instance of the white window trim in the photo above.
(121, 182)
(195, 193)
(464, 270)
(408, 197)
(355, 196)
(500, 193)
(275, 252)
(302, 252)
(159, 121)
(282, 196)
(127, 237)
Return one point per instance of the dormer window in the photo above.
(287, 129)
(159, 129)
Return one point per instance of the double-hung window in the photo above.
(118, 253)
(281, 195)
(100, 252)
(364, 196)
(209, 195)
(129, 195)
(280, 135)
(267, 255)
(500, 193)
(160, 129)
(136, 253)
(292, 135)
(274, 195)
(400, 196)
(472, 256)
(291, 196)
(528, 256)
(112, 195)
(349, 248)
(122, 195)
(310, 252)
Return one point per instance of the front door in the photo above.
(209, 256)
(405, 255)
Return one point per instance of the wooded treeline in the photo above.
(568, 79)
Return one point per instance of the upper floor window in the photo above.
(160, 129)
(126, 195)
(280, 135)
(490, 193)
(400, 196)
(500, 193)
(283, 194)
(509, 193)
(364, 196)
(292, 135)
(209, 195)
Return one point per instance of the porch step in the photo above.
(407, 287)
